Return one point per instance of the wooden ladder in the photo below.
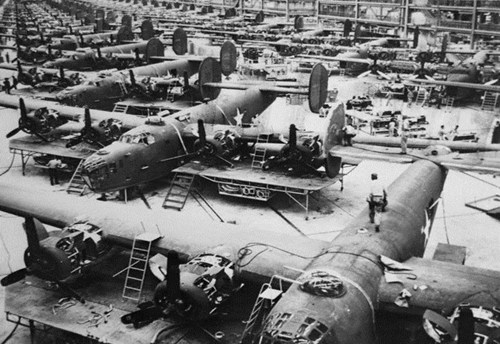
(76, 184)
(259, 154)
(179, 191)
(137, 266)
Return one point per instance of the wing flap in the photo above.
(441, 286)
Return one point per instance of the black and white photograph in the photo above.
(249, 171)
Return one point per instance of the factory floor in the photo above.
(330, 210)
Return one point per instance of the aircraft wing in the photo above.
(339, 58)
(482, 162)
(69, 112)
(33, 144)
(259, 254)
(481, 87)
(354, 155)
(441, 286)
(263, 88)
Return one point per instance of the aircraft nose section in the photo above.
(94, 171)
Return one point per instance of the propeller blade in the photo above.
(186, 79)
(491, 82)
(362, 75)
(87, 118)
(61, 72)
(227, 162)
(13, 132)
(385, 76)
(99, 54)
(201, 132)
(137, 56)
(292, 138)
(41, 137)
(49, 50)
(19, 67)
(32, 234)
(82, 41)
(173, 276)
(75, 141)
(14, 277)
(22, 109)
(430, 78)
(132, 77)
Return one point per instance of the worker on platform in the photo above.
(442, 133)
(404, 141)
(349, 133)
(392, 127)
(54, 164)
(376, 198)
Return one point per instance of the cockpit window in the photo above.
(145, 138)
(280, 329)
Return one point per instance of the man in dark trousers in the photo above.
(53, 165)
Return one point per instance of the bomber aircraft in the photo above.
(152, 148)
(332, 292)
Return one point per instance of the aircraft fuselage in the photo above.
(341, 308)
(146, 152)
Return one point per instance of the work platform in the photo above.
(29, 146)
(42, 307)
(253, 183)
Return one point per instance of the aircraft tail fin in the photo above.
(333, 137)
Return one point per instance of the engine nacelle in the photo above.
(62, 255)
(206, 282)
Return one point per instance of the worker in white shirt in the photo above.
(53, 165)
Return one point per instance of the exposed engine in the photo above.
(484, 325)
(62, 255)
(46, 119)
(206, 282)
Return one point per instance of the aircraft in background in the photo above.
(152, 148)
(330, 291)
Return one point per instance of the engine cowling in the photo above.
(206, 282)
(62, 255)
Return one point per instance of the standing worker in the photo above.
(442, 133)
(6, 85)
(392, 127)
(53, 165)
(349, 133)
(377, 200)
(404, 141)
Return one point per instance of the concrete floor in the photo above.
(330, 211)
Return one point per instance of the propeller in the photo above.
(295, 156)
(26, 123)
(137, 56)
(40, 261)
(88, 133)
